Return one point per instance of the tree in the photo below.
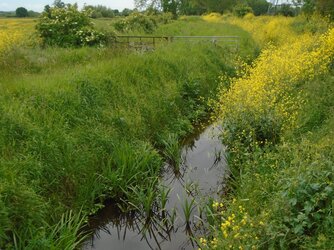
(100, 11)
(286, 10)
(259, 7)
(185, 8)
(308, 7)
(21, 12)
(189, 7)
(325, 7)
(241, 10)
(145, 4)
(58, 4)
(116, 12)
(169, 6)
(126, 12)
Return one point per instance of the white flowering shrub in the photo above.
(68, 27)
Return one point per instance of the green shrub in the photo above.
(137, 21)
(165, 18)
(241, 10)
(142, 22)
(68, 27)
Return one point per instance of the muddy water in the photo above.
(201, 176)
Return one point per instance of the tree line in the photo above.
(19, 12)
(258, 7)
(98, 11)
(199, 7)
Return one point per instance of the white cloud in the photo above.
(35, 7)
(114, 4)
(4, 5)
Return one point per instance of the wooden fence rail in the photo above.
(150, 42)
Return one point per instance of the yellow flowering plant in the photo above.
(7, 40)
(265, 101)
(235, 228)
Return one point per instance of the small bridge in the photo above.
(151, 42)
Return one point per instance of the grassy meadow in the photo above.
(79, 126)
(83, 125)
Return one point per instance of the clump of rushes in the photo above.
(128, 165)
(151, 210)
(188, 208)
(172, 151)
(69, 230)
(144, 199)
(163, 197)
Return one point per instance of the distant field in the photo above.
(186, 26)
(25, 25)
(15, 32)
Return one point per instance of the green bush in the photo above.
(68, 27)
(142, 22)
(241, 10)
(137, 21)
(165, 18)
(100, 11)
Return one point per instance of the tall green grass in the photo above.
(79, 126)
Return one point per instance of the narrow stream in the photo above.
(201, 176)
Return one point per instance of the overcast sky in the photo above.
(38, 5)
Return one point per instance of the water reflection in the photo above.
(172, 224)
